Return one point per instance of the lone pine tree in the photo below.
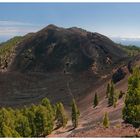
(95, 101)
(108, 90)
(61, 117)
(106, 120)
(75, 114)
(112, 95)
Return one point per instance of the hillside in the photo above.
(62, 64)
(66, 50)
(56, 57)
(132, 50)
(7, 51)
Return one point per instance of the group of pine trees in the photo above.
(33, 121)
(36, 120)
(111, 94)
(105, 120)
(131, 110)
(112, 100)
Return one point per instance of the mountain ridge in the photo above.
(55, 48)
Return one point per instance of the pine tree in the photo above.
(108, 90)
(22, 125)
(61, 116)
(131, 110)
(30, 114)
(54, 107)
(115, 100)
(95, 101)
(7, 120)
(6, 131)
(31, 118)
(111, 98)
(15, 134)
(75, 114)
(46, 102)
(43, 121)
(40, 120)
(106, 120)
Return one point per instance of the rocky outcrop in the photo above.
(119, 74)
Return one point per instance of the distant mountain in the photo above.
(66, 50)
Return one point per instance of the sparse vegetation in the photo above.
(131, 50)
(7, 50)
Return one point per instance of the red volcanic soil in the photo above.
(116, 131)
(90, 122)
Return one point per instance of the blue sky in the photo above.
(116, 20)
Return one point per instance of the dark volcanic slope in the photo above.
(65, 50)
(57, 63)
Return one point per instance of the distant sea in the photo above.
(3, 39)
(127, 41)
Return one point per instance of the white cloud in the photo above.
(10, 29)
(14, 23)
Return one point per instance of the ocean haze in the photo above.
(127, 41)
(123, 41)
